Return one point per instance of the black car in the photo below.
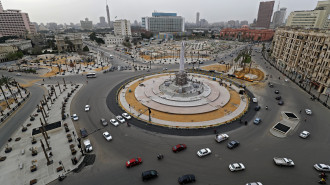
(232, 144)
(231, 75)
(211, 71)
(277, 92)
(257, 108)
(150, 174)
(83, 132)
(270, 85)
(278, 97)
(281, 102)
(186, 179)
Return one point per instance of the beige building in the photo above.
(69, 42)
(317, 18)
(5, 49)
(122, 28)
(86, 24)
(305, 54)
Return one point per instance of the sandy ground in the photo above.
(3, 104)
(216, 67)
(29, 83)
(254, 71)
(230, 107)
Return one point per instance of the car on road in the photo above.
(126, 115)
(179, 147)
(103, 122)
(322, 167)
(308, 111)
(304, 134)
(83, 133)
(133, 162)
(271, 85)
(203, 152)
(150, 174)
(254, 100)
(186, 179)
(114, 122)
(221, 137)
(120, 119)
(233, 144)
(257, 108)
(278, 97)
(236, 167)
(75, 117)
(257, 121)
(277, 92)
(283, 161)
(280, 102)
(201, 62)
(87, 107)
(254, 183)
(18, 74)
(211, 71)
(107, 136)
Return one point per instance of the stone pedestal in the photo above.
(181, 78)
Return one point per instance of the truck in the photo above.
(221, 137)
(88, 145)
(283, 161)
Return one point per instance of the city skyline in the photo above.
(211, 10)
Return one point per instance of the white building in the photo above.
(111, 40)
(20, 44)
(163, 22)
(278, 17)
(86, 25)
(122, 28)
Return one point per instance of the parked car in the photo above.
(257, 108)
(257, 121)
(83, 133)
(126, 115)
(322, 167)
(186, 179)
(308, 111)
(120, 119)
(304, 134)
(75, 117)
(150, 174)
(107, 136)
(114, 122)
(179, 147)
(203, 152)
(280, 102)
(87, 107)
(103, 122)
(278, 97)
(232, 144)
(133, 162)
(236, 167)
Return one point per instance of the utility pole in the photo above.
(49, 162)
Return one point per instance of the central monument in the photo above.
(181, 76)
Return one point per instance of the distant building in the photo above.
(69, 42)
(5, 49)
(86, 25)
(265, 14)
(244, 23)
(111, 40)
(245, 33)
(15, 23)
(231, 24)
(102, 21)
(203, 23)
(305, 53)
(197, 19)
(52, 26)
(317, 18)
(20, 44)
(278, 17)
(108, 15)
(122, 28)
(163, 22)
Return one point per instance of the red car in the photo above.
(133, 162)
(179, 147)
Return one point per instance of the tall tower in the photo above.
(197, 19)
(108, 15)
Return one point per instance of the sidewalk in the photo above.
(17, 166)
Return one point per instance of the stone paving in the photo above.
(16, 168)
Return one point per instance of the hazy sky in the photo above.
(66, 11)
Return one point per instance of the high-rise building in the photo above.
(108, 15)
(163, 22)
(265, 14)
(122, 28)
(278, 17)
(244, 23)
(317, 18)
(203, 23)
(231, 23)
(86, 25)
(14, 22)
(197, 19)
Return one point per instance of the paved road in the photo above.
(257, 149)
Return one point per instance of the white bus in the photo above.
(91, 75)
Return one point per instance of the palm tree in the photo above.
(3, 93)
(8, 80)
(18, 88)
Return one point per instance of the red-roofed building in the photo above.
(246, 34)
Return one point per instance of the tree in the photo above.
(8, 80)
(3, 93)
(86, 49)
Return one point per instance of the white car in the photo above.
(18, 74)
(254, 183)
(75, 117)
(254, 100)
(203, 152)
(236, 167)
(308, 111)
(322, 167)
(304, 134)
(126, 116)
(120, 119)
(87, 107)
(107, 136)
(114, 122)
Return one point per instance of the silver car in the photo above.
(103, 122)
